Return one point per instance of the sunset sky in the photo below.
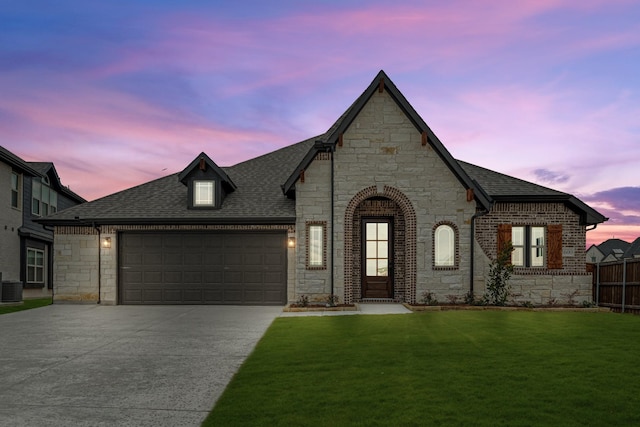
(118, 93)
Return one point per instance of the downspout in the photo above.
(472, 251)
(332, 224)
(97, 228)
(51, 261)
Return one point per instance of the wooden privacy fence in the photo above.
(617, 285)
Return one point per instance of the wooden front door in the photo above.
(377, 258)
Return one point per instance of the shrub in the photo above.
(500, 271)
(428, 298)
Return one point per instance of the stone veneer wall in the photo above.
(537, 285)
(76, 276)
(382, 156)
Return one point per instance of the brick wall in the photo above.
(537, 285)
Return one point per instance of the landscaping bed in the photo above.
(444, 307)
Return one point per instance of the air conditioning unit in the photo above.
(11, 292)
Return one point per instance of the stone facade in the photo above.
(382, 158)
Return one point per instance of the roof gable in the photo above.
(203, 163)
(331, 138)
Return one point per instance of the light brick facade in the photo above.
(382, 157)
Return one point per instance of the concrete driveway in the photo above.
(81, 365)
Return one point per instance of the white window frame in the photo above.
(204, 193)
(526, 252)
(444, 235)
(35, 267)
(316, 253)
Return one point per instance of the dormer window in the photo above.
(204, 193)
(207, 184)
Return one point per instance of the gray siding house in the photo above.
(375, 209)
(31, 191)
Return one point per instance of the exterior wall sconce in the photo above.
(291, 242)
(106, 242)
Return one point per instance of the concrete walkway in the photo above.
(89, 365)
(367, 308)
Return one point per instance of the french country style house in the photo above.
(375, 209)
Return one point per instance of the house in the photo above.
(32, 190)
(609, 250)
(633, 251)
(375, 209)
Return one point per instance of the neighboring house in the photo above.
(31, 190)
(609, 250)
(633, 251)
(594, 255)
(375, 209)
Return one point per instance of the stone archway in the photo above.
(403, 204)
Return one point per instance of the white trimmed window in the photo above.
(35, 266)
(316, 246)
(528, 246)
(203, 193)
(445, 246)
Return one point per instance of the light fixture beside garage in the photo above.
(106, 242)
(291, 242)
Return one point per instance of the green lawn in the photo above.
(440, 368)
(27, 305)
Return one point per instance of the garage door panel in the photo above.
(152, 277)
(202, 268)
(149, 258)
(172, 258)
(152, 296)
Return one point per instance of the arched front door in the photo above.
(377, 258)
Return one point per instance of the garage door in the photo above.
(202, 268)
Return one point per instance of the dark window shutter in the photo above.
(554, 249)
(504, 235)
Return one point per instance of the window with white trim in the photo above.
(316, 253)
(35, 266)
(444, 246)
(204, 193)
(529, 246)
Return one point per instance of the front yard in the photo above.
(440, 368)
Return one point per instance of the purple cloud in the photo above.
(550, 177)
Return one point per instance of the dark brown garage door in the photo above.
(202, 268)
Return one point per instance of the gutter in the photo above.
(333, 147)
(472, 251)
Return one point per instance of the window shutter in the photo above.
(554, 250)
(504, 235)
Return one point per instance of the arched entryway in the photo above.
(385, 220)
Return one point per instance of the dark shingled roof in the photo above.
(261, 182)
(17, 163)
(634, 249)
(257, 199)
(607, 247)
